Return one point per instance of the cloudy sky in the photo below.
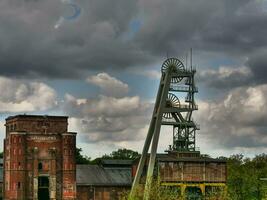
(102, 67)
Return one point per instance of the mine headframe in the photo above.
(176, 80)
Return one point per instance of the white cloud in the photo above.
(109, 119)
(110, 85)
(22, 96)
(239, 120)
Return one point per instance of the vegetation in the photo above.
(122, 154)
(81, 159)
(244, 177)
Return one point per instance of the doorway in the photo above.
(43, 188)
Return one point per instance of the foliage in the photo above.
(81, 159)
(157, 192)
(244, 176)
(121, 154)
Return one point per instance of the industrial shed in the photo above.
(109, 180)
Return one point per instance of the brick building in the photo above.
(39, 158)
(39, 164)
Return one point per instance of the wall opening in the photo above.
(43, 188)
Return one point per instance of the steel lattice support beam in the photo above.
(169, 111)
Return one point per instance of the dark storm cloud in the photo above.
(31, 46)
(100, 37)
(227, 77)
(258, 65)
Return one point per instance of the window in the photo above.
(18, 185)
(40, 166)
(7, 186)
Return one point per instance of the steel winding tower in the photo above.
(176, 80)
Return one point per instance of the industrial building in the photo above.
(39, 158)
(182, 166)
(39, 153)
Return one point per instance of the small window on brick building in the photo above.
(7, 186)
(15, 126)
(14, 151)
(19, 151)
(19, 164)
(19, 185)
(40, 166)
(19, 139)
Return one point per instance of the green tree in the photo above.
(244, 177)
(81, 159)
(123, 154)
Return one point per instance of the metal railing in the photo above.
(182, 88)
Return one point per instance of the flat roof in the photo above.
(34, 116)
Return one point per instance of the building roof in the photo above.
(99, 176)
(163, 157)
(116, 162)
(34, 116)
(172, 158)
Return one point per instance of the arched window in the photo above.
(40, 166)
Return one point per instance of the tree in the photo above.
(81, 159)
(123, 154)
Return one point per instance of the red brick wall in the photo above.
(37, 141)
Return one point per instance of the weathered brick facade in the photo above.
(39, 158)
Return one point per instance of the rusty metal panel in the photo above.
(192, 171)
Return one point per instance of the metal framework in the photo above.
(176, 80)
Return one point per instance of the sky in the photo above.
(99, 61)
